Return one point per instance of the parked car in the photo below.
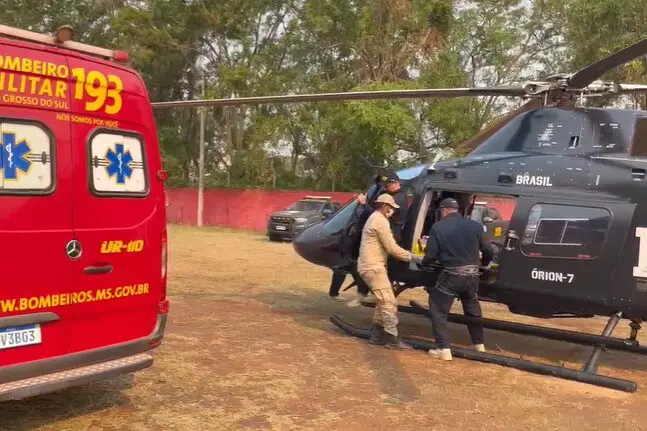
(285, 224)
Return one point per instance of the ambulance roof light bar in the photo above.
(63, 39)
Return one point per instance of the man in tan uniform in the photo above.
(376, 246)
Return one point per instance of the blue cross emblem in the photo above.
(119, 163)
(13, 156)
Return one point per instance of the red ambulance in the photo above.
(82, 216)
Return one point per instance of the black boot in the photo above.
(393, 342)
(377, 335)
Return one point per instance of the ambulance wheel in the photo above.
(275, 238)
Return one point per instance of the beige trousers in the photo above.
(386, 307)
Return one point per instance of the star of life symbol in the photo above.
(119, 163)
(13, 156)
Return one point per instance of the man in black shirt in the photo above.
(385, 183)
(455, 241)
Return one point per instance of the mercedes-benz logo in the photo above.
(73, 249)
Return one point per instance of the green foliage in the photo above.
(262, 47)
(596, 28)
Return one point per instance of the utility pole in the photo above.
(201, 163)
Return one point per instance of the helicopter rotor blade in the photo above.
(509, 91)
(585, 76)
(631, 89)
(610, 89)
(496, 125)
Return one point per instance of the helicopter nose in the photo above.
(315, 246)
(305, 242)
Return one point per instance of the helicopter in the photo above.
(575, 244)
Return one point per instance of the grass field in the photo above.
(249, 346)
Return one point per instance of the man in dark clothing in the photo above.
(339, 276)
(455, 242)
(387, 183)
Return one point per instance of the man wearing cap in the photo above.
(384, 184)
(389, 184)
(376, 246)
(455, 242)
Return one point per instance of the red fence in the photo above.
(250, 208)
(235, 208)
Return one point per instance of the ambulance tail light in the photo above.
(163, 305)
(164, 257)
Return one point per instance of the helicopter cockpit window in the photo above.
(338, 221)
(565, 231)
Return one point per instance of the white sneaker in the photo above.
(357, 301)
(442, 354)
(369, 299)
(338, 298)
(479, 347)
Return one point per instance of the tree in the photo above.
(595, 29)
(261, 47)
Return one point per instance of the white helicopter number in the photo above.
(641, 269)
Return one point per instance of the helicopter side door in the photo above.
(558, 256)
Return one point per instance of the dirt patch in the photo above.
(249, 346)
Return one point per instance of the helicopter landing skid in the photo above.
(583, 376)
(581, 338)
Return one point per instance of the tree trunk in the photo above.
(297, 139)
(273, 174)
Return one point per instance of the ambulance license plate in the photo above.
(19, 336)
(281, 228)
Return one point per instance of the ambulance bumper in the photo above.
(49, 375)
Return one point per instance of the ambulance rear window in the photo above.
(118, 164)
(26, 165)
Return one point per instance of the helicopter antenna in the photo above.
(369, 164)
(439, 155)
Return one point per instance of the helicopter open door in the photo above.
(558, 248)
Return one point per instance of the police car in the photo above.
(284, 224)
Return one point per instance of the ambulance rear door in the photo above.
(119, 211)
(36, 205)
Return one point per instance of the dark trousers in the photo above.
(339, 275)
(441, 297)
